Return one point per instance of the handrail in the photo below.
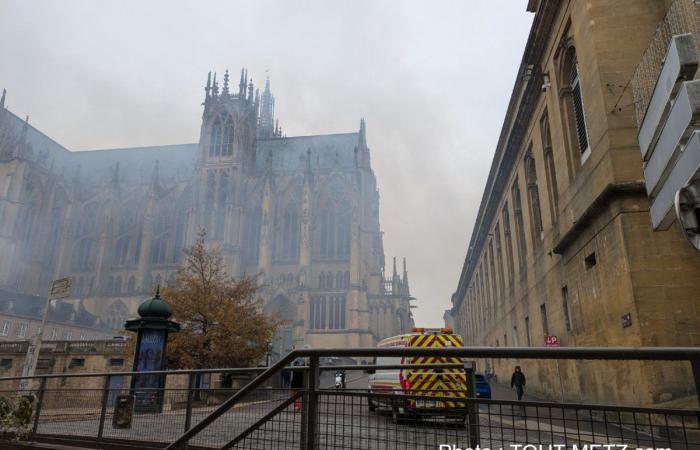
(152, 372)
(591, 353)
(231, 401)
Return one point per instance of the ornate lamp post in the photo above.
(152, 330)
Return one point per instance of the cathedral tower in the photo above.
(225, 157)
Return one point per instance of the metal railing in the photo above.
(258, 408)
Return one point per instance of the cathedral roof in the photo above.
(136, 163)
(289, 153)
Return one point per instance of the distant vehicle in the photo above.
(482, 387)
(438, 388)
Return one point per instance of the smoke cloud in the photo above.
(432, 80)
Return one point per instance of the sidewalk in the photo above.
(503, 392)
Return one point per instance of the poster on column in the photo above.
(149, 388)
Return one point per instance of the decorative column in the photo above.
(152, 328)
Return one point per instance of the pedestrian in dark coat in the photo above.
(517, 381)
(297, 383)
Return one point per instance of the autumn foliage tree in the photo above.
(223, 323)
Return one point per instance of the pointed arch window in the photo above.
(288, 236)
(221, 205)
(221, 138)
(334, 233)
(227, 144)
(251, 237)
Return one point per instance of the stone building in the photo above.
(562, 244)
(302, 213)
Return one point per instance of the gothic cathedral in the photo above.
(301, 213)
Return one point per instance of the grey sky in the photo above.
(432, 79)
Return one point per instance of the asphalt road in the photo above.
(344, 422)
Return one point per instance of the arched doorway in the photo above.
(283, 341)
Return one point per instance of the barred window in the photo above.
(579, 110)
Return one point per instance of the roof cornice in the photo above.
(518, 116)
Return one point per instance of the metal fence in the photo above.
(257, 409)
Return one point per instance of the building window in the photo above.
(221, 137)
(499, 260)
(221, 206)
(121, 251)
(334, 232)
(288, 238)
(22, 329)
(574, 109)
(327, 312)
(114, 362)
(590, 261)
(550, 170)
(543, 318)
(565, 307)
(251, 234)
(6, 363)
(533, 197)
(5, 328)
(516, 341)
(508, 243)
(67, 335)
(519, 225)
(54, 334)
(494, 287)
(227, 142)
(527, 332)
(77, 362)
(158, 249)
(579, 110)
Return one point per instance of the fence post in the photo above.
(310, 406)
(472, 407)
(695, 364)
(39, 402)
(103, 410)
(191, 378)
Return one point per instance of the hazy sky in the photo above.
(432, 78)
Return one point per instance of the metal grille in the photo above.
(683, 16)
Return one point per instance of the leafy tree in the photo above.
(223, 323)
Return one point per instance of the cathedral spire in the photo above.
(363, 133)
(225, 91)
(215, 87)
(241, 84)
(405, 277)
(2, 99)
(250, 91)
(207, 89)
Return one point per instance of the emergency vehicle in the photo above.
(431, 384)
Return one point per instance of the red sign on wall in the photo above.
(551, 341)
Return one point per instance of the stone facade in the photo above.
(562, 244)
(302, 213)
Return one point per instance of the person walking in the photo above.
(517, 381)
(297, 383)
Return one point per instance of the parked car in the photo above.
(483, 388)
